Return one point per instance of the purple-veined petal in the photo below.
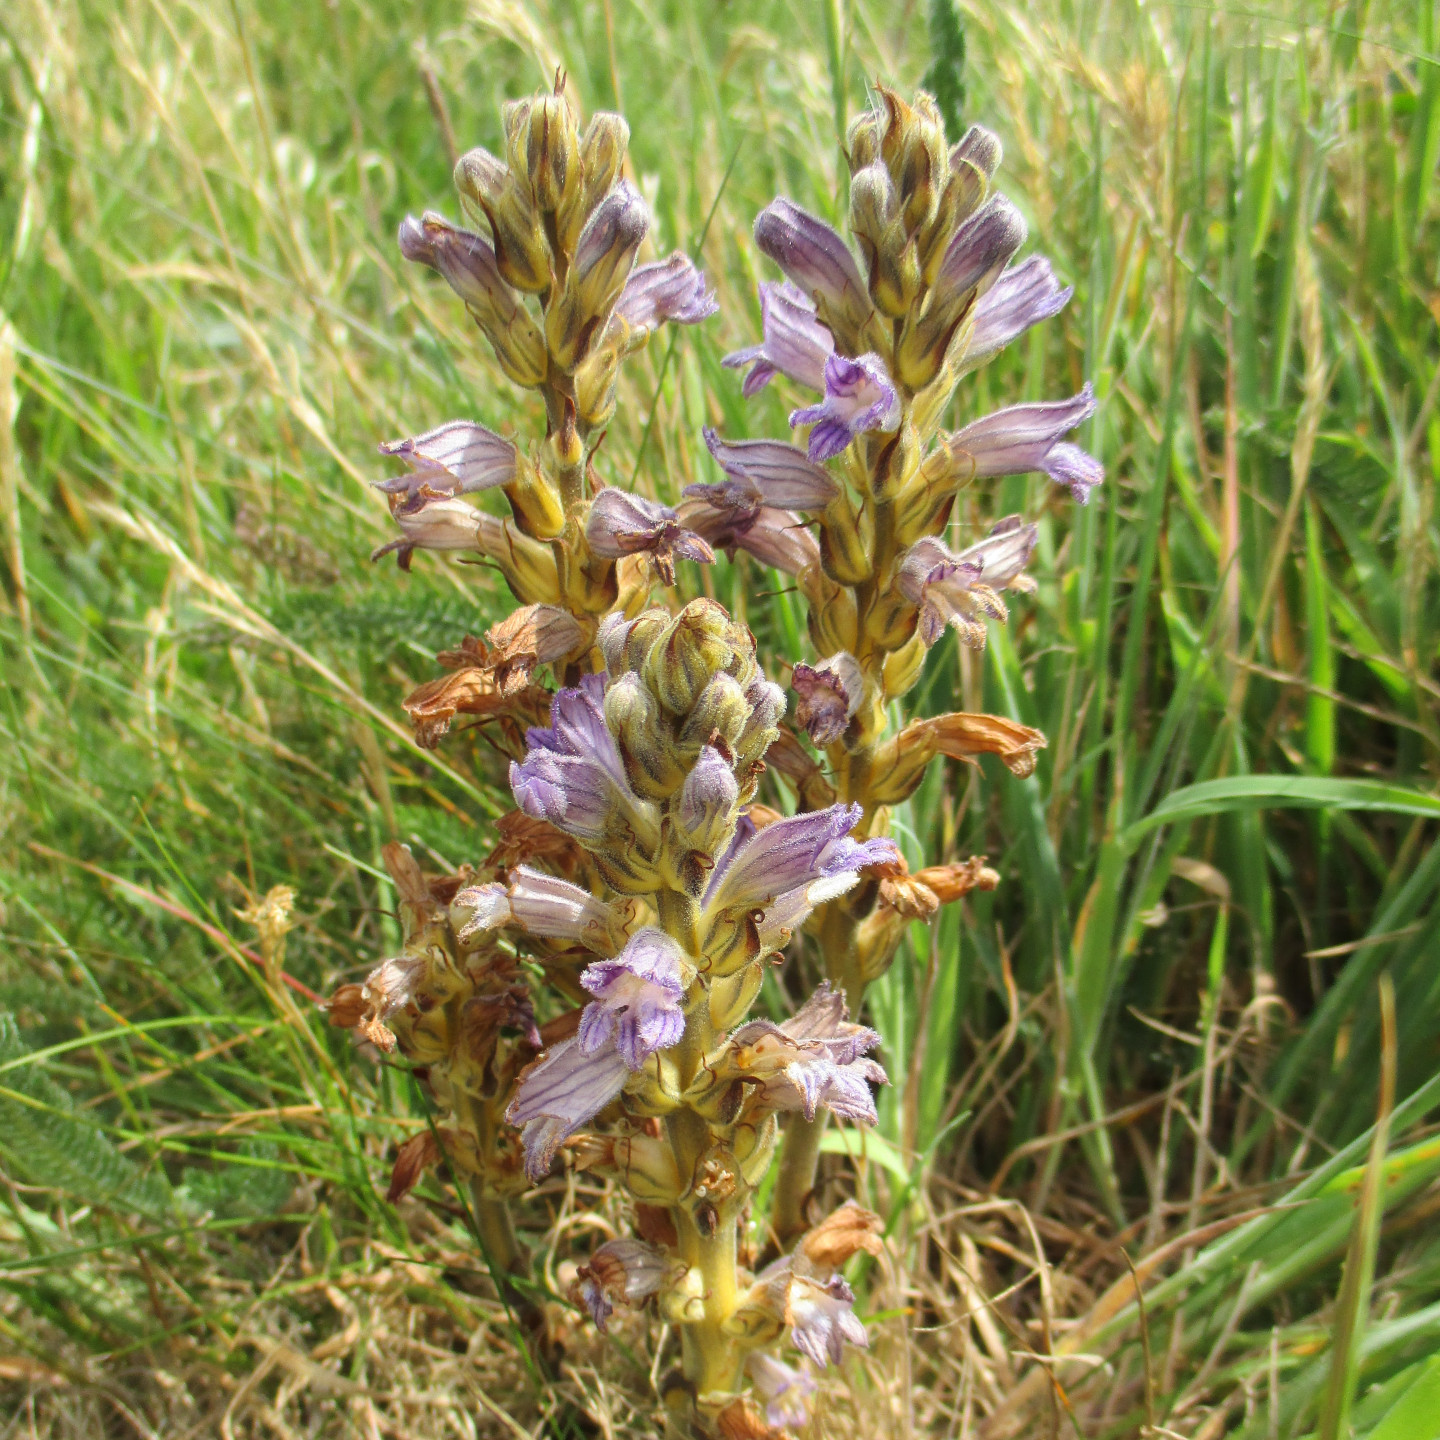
(669, 289)
(458, 458)
(859, 396)
(1023, 296)
(765, 472)
(558, 1095)
(810, 252)
(795, 342)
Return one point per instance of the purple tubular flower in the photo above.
(822, 1318)
(764, 472)
(616, 226)
(457, 458)
(784, 1389)
(962, 590)
(816, 1059)
(810, 253)
(707, 799)
(980, 249)
(622, 523)
(671, 289)
(539, 904)
(572, 774)
(430, 524)
(794, 852)
(773, 537)
(795, 344)
(558, 1095)
(639, 999)
(1022, 438)
(829, 696)
(859, 396)
(1023, 296)
(466, 261)
(623, 1271)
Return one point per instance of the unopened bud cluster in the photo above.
(584, 996)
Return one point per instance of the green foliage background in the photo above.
(1232, 835)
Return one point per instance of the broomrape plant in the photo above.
(639, 878)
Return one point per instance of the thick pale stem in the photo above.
(800, 1148)
(710, 1358)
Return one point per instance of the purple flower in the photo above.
(622, 523)
(671, 289)
(613, 232)
(774, 537)
(815, 1059)
(822, 1318)
(1022, 438)
(978, 147)
(539, 904)
(980, 250)
(829, 696)
(559, 1094)
(784, 1389)
(624, 1272)
(707, 800)
(431, 524)
(639, 999)
(811, 254)
(764, 472)
(859, 396)
(1023, 296)
(791, 853)
(573, 776)
(795, 344)
(962, 590)
(465, 260)
(457, 458)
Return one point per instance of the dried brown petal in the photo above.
(415, 1157)
(950, 882)
(962, 737)
(348, 1007)
(909, 896)
(562, 1027)
(742, 1420)
(843, 1233)
(762, 815)
(654, 1224)
(787, 755)
(525, 838)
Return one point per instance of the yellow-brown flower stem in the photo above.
(710, 1358)
(839, 921)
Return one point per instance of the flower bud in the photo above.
(602, 154)
(595, 378)
(767, 708)
(721, 711)
(604, 255)
(481, 180)
(552, 151)
(475, 274)
(700, 642)
(924, 166)
(634, 718)
(862, 142)
(705, 816)
(625, 643)
(535, 500)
